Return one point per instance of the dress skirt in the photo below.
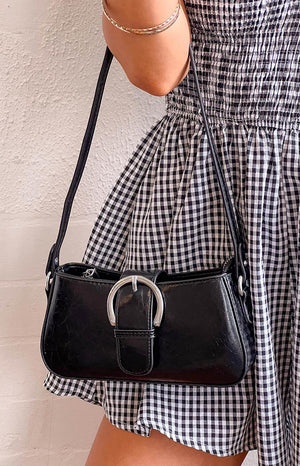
(166, 211)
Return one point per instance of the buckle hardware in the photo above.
(134, 283)
(240, 285)
(48, 278)
(134, 279)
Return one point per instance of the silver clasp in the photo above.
(240, 285)
(48, 278)
(240, 281)
(134, 279)
(134, 283)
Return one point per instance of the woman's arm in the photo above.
(156, 63)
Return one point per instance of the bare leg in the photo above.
(116, 447)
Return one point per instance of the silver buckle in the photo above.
(240, 285)
(134, 279)
(48, 278)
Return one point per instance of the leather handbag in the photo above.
(148, 325)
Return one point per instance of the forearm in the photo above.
(157, 62)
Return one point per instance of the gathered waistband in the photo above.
(186, 110)
(252, 80)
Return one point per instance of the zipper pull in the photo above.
(89, 273)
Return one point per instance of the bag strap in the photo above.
(53, 259)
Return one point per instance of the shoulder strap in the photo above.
(53, 259)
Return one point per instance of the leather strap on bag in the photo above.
(134, 330)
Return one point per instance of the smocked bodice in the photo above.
(247, 55)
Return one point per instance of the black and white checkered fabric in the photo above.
(166, 211)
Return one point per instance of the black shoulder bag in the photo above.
(148, 326)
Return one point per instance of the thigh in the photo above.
(116, 447)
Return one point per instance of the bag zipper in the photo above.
(89, 273)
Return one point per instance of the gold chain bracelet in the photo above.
(152, 30)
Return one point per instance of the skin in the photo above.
(117, 447)
(155, 63)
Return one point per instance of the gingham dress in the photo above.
(165, 211)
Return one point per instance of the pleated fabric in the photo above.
(166, 211)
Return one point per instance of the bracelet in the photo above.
(152, 30)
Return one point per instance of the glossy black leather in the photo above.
(204, 338)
